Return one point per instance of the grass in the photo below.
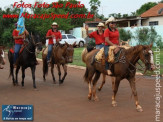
(77, 57)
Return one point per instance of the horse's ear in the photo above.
(74, 44)
(151, 45)
(66, 43)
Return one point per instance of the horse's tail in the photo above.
(45, 66)
(86, 75)
(11, 61)
(84, 53)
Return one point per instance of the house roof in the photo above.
(94, 21)
(157, 10)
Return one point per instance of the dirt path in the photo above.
(68, 102)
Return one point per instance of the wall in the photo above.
(159, 19)
(134, 42)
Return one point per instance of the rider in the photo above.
(97, 35)
(111, 35)
(52, 34)
(19, 41)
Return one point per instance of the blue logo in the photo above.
(17, 112)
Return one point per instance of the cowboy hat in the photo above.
(100, 24)
(111, 19)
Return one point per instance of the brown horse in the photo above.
(124, 69)
(2, 56)
(61, 55)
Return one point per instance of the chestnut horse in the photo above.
(2, 56)
(61, 55)
(124, 69)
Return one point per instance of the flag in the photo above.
(20, 23)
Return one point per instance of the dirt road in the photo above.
(69, 103)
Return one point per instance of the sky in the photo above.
(107, 6)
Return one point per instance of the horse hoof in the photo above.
(61, 81)
(89, 97)
(139, 108)
(114, 103)
(99, 89)
(96, 99)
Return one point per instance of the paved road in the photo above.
(68, 102)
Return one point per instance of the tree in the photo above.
(94, 6)
(145, 7)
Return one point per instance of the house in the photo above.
(153, 16)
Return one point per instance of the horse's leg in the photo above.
(23, 76)
(115, 89)
(97, 76)
(113, 82)
(90, 75)
(133, 88)
(17, 71)
(52, 72)
(59, 73)
(33, 76)
(65, 72)
(103, 82)
(12, 73)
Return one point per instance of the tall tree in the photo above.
(145, 7)
(94, 6)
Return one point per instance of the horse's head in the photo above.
(70, 52)
(2, 55)
(146, 57)
(35, 40)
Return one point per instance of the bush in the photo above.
(125, 34)
(147, 36)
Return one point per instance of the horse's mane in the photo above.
(134, 49)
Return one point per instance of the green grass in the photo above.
(77, 57)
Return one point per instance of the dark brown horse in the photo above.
(2, 56)
(27, 58)
(61, 55)
(124, 69)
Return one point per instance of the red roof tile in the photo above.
(157, 10)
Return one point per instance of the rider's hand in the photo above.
(52, 36)
(86, 27)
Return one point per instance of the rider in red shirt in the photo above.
(97, 35)
(111, 35)
(52, 34)
(19, 40)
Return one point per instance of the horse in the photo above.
(124, 69)
(27, 58)
(2, 56)
(61, 55)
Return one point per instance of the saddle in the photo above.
(113, 55)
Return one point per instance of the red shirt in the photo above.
(16, 33)
(56, 34)
(113, 36)
(98, 38)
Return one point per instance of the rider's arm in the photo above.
(109, 42)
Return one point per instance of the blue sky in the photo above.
(107, 6)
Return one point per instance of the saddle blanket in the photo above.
(111, 56)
